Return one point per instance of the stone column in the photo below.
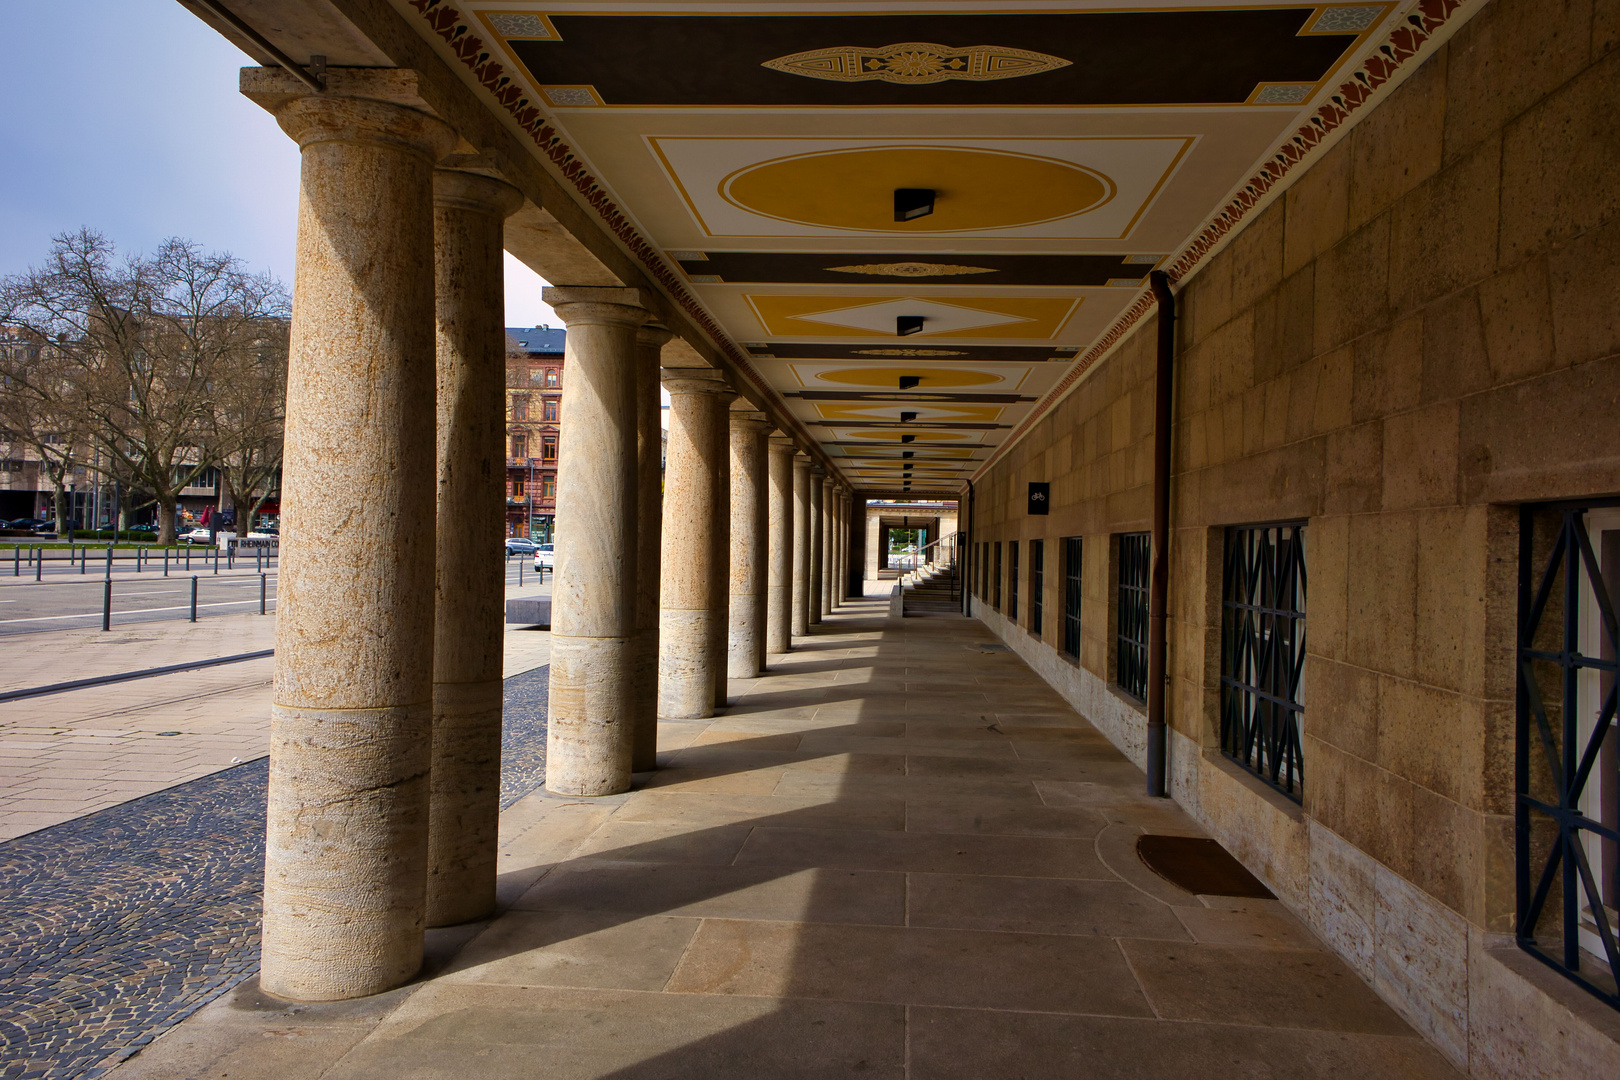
(816, 587)
(857, 546)
(649, 530)
(779, 591)
(802, 483)
(590, 730)
(750, 545)
(841, 579)
(351, 717)
(469, 597)
(692, 625)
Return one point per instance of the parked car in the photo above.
(31, 523)
(542, 557)
(196, 536)
(517, 545)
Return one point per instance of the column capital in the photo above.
(653, 336)
(588, 305)
(323, 118)
(696, 381)
(818, 471)
(750, 420)
(782, 443)
(475, 192)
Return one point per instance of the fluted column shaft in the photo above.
(351, 717)
(693, 598)
(464, 805)
(815, 590)
(750, 545)
(649, 541)
(591, 707)
(802, 482)
(779, 589)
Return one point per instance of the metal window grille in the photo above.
(1037, 584)
(996, 585)
(1130, 665)
(1567, 768)
(1263, 652)
(1071, 595)
(1012, 580)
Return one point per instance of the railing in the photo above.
(38, 559)
(944, 554)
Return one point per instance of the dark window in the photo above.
(1037, 583)
(1263, 652)
(548, 448)
(1567, 775)
(1071, 595)
(995, 583)
(553, 378)
(548, 410)
(1012, 580)
(520, 406)
(520, 446)
(1130, 664)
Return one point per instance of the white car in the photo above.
(542, 557)
(196, 536)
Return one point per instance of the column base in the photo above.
(687, 665)
(589, 731)
(345, 850)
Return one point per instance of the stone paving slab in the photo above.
(770, 903)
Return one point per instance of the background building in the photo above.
(534, 369)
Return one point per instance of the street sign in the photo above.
(1040, 497)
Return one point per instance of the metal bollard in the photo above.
(84, 559)
(261, 594)
(216, 559)
(520, 573)
(193, 597)
(16, 562)
(188, 558)
(39, 565)
(106, 604)
(165, 562)
(109, 560)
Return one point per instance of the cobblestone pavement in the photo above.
(116, 925)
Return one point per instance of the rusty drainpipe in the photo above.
(1164, 387)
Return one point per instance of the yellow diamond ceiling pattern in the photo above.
(1070, 150)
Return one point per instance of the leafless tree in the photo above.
(152, 347)
(42, 409)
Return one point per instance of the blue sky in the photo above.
(137, 130)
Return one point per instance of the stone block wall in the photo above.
(1420, 334)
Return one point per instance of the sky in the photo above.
(139, 132)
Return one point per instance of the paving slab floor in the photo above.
(894, 855)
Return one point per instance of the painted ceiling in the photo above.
(1070, 150)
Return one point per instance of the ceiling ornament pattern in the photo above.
(1400, 45)
(912, 269)
(916, 63)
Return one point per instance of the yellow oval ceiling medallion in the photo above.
(916, 63)
(975, 188)
(886, 378)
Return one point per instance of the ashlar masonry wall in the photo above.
(1421, 334)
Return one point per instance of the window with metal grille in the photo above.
(1012, 580)
(1037, 583)
(1130, 661)
(1567, 775)
(1263, 652)
(995, 582)
(1071, 595)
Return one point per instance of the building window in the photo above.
(549, 410)
(520, 446)
(520, 407)
(1130, 662)
(548, 448)
(537, 376)
(1071, 595)
(548, 487)
(553, 378)
(1567, 775)
(1263, 652)
(1012, 580)
(984, 570)
(1037, 583)
(517, 489)
(995, 581)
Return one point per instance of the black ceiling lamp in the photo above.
(907, 453)
(909, 381)
(907, 417)
(907, 438)
(906, 325)
(911, 203)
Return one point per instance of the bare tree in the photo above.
(249, 419)
(152, 343)
(42, 410)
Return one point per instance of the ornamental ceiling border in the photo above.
(1401, 44)
(1404, 42)
(477, 56)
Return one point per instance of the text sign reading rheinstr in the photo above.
(1040, 497)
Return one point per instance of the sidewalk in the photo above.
(66, 755)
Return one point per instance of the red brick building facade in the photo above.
(534, 373)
